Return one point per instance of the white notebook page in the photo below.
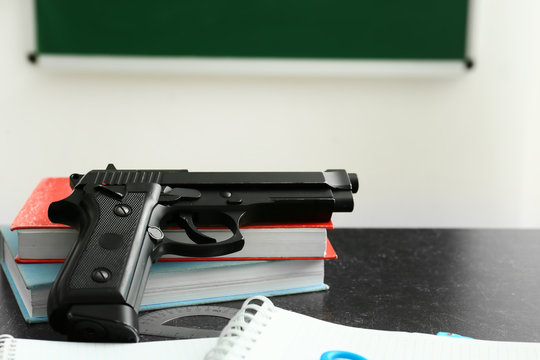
(261, 331)
(26, 349)
(290, 335)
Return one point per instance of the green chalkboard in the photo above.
(341, 29)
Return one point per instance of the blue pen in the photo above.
(454, 335)
(336, 354)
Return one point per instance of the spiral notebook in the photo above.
(262, 331)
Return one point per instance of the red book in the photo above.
(33, 214)
(40, 240)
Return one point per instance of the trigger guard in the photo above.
(209, 247)
(168, 246)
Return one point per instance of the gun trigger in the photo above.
(114, 191)
(186, 222)
(169, 196)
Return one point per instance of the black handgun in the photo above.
(120, 215)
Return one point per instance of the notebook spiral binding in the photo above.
(7, 347)
(243, 330)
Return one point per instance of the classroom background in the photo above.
(459, 151)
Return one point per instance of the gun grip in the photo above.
(97, 293)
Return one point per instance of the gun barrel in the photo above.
(354, 182)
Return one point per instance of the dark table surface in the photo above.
(479, 283)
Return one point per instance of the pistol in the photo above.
(120, 215)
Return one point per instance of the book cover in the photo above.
(33, 214)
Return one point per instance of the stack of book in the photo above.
(276, 260)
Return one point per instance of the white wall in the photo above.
(460, 152)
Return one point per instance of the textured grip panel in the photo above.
(109, 244)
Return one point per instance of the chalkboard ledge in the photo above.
(251, 66)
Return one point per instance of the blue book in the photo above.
(171, 283)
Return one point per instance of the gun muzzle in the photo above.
(344, 201)
(354, 182)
